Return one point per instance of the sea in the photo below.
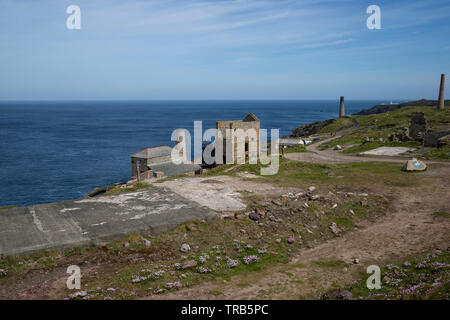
(62, 150)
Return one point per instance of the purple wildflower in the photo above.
(232, 263)
(250, 259)
(174, 284)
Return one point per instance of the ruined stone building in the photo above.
(239, 129)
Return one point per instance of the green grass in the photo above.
(382, 125)
(419, 278)
(7, 207)
(137, 186)
(442, 153)
(216, 292)
(441, 214)
(295, 149)
(352, 175)
(331, 263)
(338, 124)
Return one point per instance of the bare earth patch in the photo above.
(409, 229)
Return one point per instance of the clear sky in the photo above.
(221, 49)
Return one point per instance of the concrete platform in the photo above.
(94, 220)
(387, 151)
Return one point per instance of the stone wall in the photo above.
(418, 126)
(433, 139)
(251, 143)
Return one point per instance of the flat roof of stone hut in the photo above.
(150, 153)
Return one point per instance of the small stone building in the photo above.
(157, 163)
(251, 142)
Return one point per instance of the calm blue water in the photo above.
(52, 151)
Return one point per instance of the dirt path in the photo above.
(334, 157)
(408, 229)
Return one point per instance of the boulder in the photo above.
(414, 165)
(341, 295)
(188, 264)
(278, 203)
(254, 216)
(334, 228)
(185, 248)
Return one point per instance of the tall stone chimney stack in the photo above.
(441, 93)
(341, 108)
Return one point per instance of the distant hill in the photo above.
(381, 108)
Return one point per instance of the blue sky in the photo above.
(259, 49)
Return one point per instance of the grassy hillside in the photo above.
(378, 127)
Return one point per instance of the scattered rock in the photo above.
(367, 140)
(352, 212)
(260, 212)
(364, 203)
(78, 294)
(185, 248)
(356, 261)
(363, 194)
(334, 206)
(239, 216)
(291, 240)
(146, 242)
(311, 189)
(276, 202)
(254, 216)
(341, 294)
(334, 228)
(3, 272)
(278, 240)
(337, 147)
(188, 264)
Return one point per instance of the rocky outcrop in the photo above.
(310, 129)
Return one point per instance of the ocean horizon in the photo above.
(61, 150)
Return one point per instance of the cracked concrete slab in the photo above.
(94, 220)
(388, 151)
(220, 193)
